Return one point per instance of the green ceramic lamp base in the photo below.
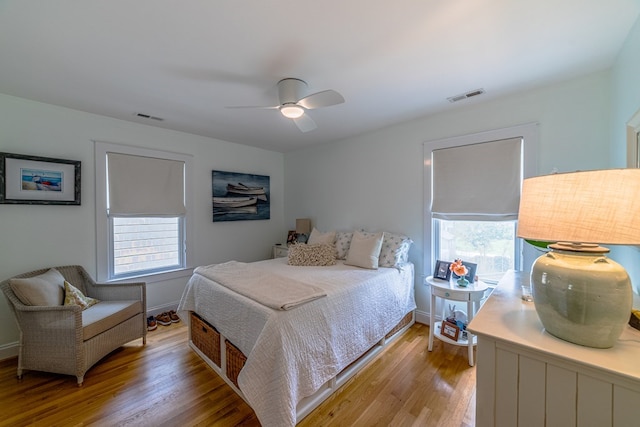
(581, 296)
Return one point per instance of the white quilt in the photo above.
(290, 354)
(273, 290)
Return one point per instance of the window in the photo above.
(472, 192)
(146, 244)
(142, 211)
(492, 245)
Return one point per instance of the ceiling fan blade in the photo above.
(325, 98)
(305, 123)
(258, 107)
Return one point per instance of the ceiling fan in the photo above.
(293, 104)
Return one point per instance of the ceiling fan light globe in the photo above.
(292, 111)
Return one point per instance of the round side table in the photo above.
(449, 290)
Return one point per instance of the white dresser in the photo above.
(527, 377)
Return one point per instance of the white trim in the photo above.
(530, 134)
(633, 141)
(9, 350)
(423, 316)
(102, 220)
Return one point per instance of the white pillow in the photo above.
(364, 250)
(316, 237)
(45, 289)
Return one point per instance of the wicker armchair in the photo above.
(55, 339)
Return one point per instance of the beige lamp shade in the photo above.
(600, 206)
(303, 226)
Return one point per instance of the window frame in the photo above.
(528, 132)
(104, 224)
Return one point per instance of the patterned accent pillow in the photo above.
(318, 254)
(343, 241)
(395, 249)
(73, 296)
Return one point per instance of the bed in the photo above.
(285, 361)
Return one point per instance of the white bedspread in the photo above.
(290, 354)
(273, 290)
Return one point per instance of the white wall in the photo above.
(626, 102)
(375, 180)
(33, 237)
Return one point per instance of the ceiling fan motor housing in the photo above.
(290, 90)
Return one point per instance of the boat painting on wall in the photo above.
(239, 196)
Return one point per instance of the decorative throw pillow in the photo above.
(73, 296)
(364, 250)
(343, 241)
(318, 254)
(395, 249)
(45, 289)
(317, 237)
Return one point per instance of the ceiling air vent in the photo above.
(466, 95)
(147, 116)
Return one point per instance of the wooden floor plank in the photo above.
(166, 384)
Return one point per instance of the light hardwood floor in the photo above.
(166, 384)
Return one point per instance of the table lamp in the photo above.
(580, 295)
(303, 229)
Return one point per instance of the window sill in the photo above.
(156, 277)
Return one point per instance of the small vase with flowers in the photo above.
(460, 270)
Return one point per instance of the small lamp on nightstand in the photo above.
(580, 295)
(303, 229)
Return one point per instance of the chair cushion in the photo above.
(107, 314)
(45, 289)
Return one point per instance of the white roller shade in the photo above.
(477, 182)
(145, 186)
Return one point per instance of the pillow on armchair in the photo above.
(74, 296)
(46, 289)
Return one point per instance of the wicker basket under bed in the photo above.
(206, 338)
(408, 318)
(235, 361)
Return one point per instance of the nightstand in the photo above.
(280, 251)
(449, 290)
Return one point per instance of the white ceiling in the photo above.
(392, 60)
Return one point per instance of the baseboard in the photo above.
(154, 311)
(422, 317)
(8, 351)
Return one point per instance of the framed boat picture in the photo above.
(240, 196)
(33, 180)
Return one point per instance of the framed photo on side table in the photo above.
(450, 330)
(442, 271)
(291, 237)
